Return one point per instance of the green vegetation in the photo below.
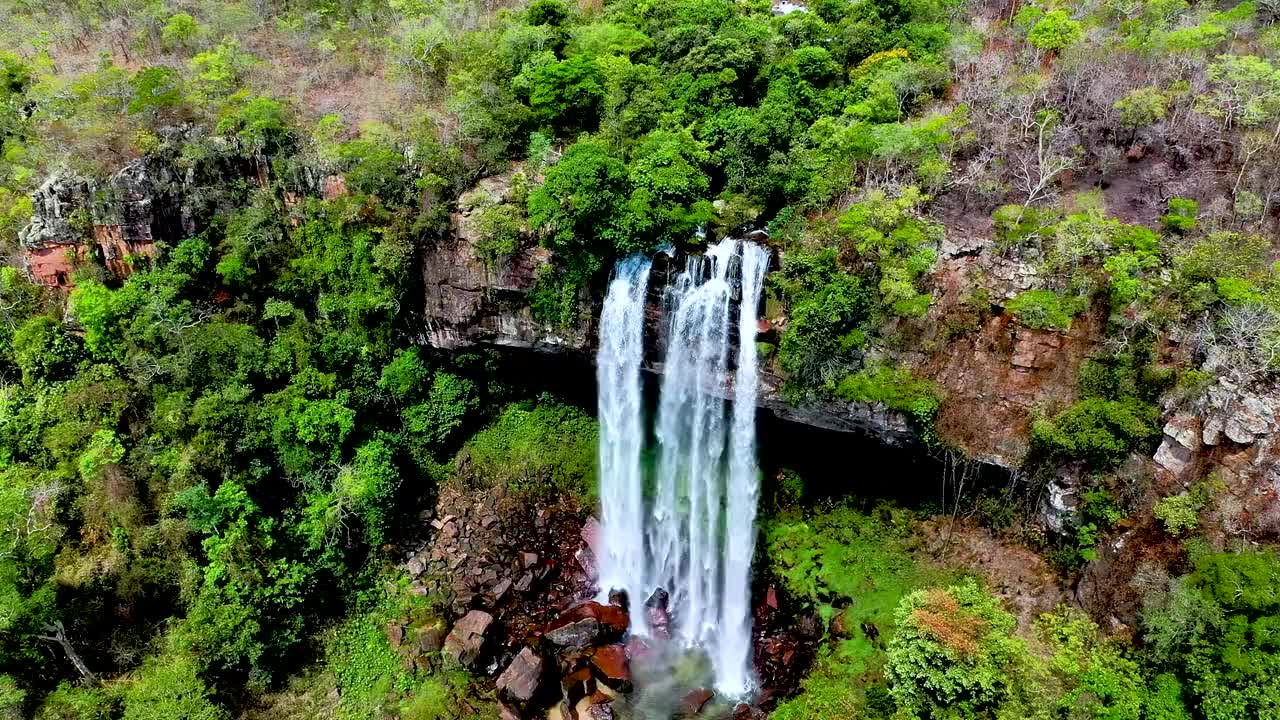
(1114, 416)
(953, 652)
(1041, 309)
(1210, 630)
(538, 448)
(374, 679)
(854, 568)
(896, 389)
(916, 641)
(1180, 513)
(209, 463)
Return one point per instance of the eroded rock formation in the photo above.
(120, 219)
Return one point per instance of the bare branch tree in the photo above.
(1035, 171)
(59, 636)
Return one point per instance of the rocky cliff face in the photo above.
(993, 377)
(469, 301)
(119, 219)
(994, 374)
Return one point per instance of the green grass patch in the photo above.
(373, 678)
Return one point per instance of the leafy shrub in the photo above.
(1098, 513)
(1091, 677)
(405, 375)
(1181, 215)
(1042, 309)
(578, 208)
(827, 311)
(499, 227)
(449, 404)
(43, 349)
(169, 686)
(368, 486)
(895, 388)
(954, 653)
(180, 31)
(1100, 431)
(1114, 416)
(896, 245)
(69, 702)
(1142, 107)
(1016, 224)
(553, 298)
(537, 448)
(1055, 31)
(1181, 513)
(1214, 630)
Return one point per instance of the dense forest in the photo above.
(1038, 239)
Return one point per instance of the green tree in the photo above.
(954, 653)
(44, 350)
(1142, 107)
(578, 207)
(1055, 31)
(1245, 91)
(566, 93)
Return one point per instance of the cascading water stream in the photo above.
(694, 536)
(733, 654)
(622, 430)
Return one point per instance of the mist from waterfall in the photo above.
(693, 533)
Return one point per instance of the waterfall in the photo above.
(733, 655)
(622, 430)
(694, 534)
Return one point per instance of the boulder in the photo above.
(656, 614)
(465, 643)
(522, 678)
(589, 624)
(587, 561)
(395, 634)
(575, 633)
(609, 663)
(1177, 450)
(593, 536)
(577, 685)
(693, 702)
(431, 639)
(1061, 499)
(638, 648)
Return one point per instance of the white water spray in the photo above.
(695, 536)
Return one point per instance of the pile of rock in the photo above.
(491, 552)
(575, 667)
